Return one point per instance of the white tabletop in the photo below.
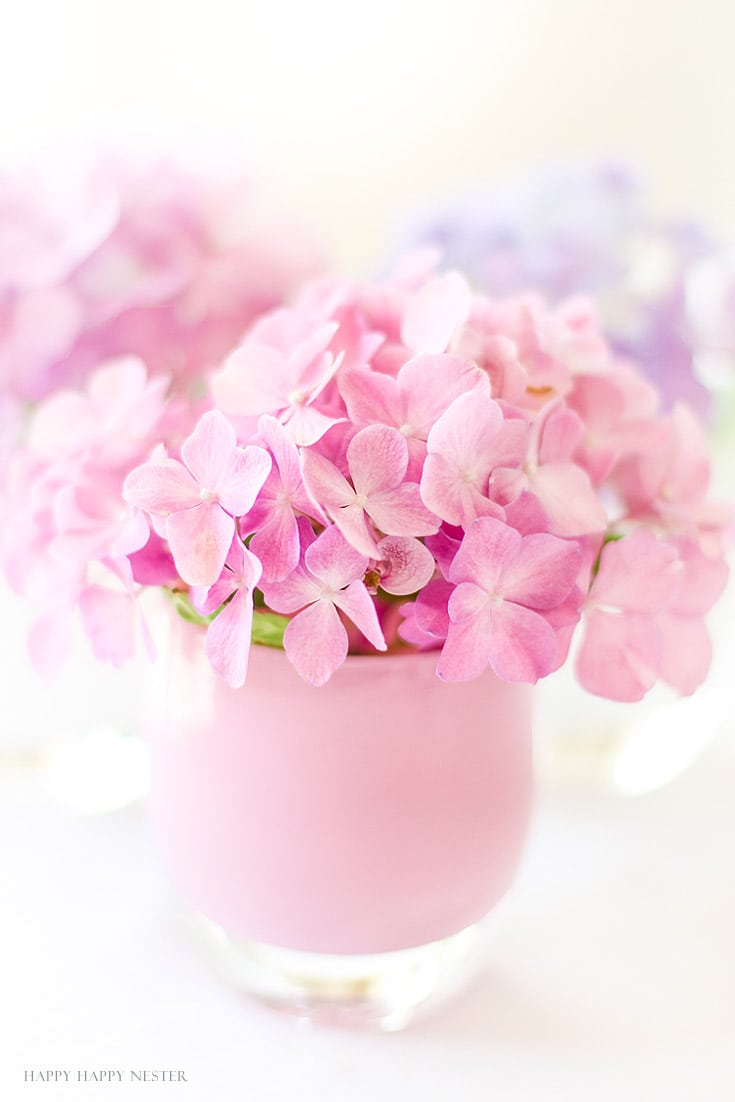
(609, 971)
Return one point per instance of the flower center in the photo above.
(208, 496)
(298, 397)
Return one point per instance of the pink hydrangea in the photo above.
(386, 467)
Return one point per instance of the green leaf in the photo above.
(186, 610)
(268, 629)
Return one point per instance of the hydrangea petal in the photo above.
(200, 539)
(315, 642)
(245, 472)
(542, 572)
(619, 656)
(356, 602)
(162, 488)
(410, 565)
(207, 451)
(228, 639)
(522, 645)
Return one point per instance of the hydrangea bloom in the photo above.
(120, 259)
(393, 466)
(665, 289)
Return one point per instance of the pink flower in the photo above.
(377, 460)
(644, 617)
(228, 636)
(562, 486)
(411, 402)
(281, 368)
(465, 445)
(620, 654)
(505, 583)
(404, 564)
(328, 578)
(434, 312)
(199, 498)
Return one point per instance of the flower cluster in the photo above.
(122, 259)
(665, 289)
(385, 467)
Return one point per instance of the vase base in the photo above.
(383, 991)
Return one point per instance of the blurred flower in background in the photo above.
(122, 257)
(117, 260)
(665, 290)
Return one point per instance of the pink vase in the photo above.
(339, 842)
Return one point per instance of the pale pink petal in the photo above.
(542, 572)
(435, 312)
(488, 546)
(638, 573)
(295, 591)
(284, 452)
(353, 523)
(467, 600)
(324, 482)
(315, 642)
(703, 581)
(568, 499)
(409, 564)
(228, 639)
(207, 451)
(620, 655)
(561, 436)
(245, 472)
(254, 380)
(410, 632)
(401, 512)
(109, 623)
(371, 397)
(431, 383)
(162, 488)
(305, 425)
(200, 539)
(466, 651)
(357, 603)
(526, 514)
(377, 458)
(523, 645)
(276, 543)
(333, 561)
(686, 654)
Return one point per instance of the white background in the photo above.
(610, 971)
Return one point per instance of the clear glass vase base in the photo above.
(382, 991)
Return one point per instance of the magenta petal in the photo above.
(228, 639)
(620, 655)
(377, 457)
(333, 561)
(246, 471)
(432, 615)
(523, 645)
(410, 565)
(162, 488)
(316, 642)
(357, 603)
(401, 512)
(542, 572)
(200, 539)
(208, 449)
